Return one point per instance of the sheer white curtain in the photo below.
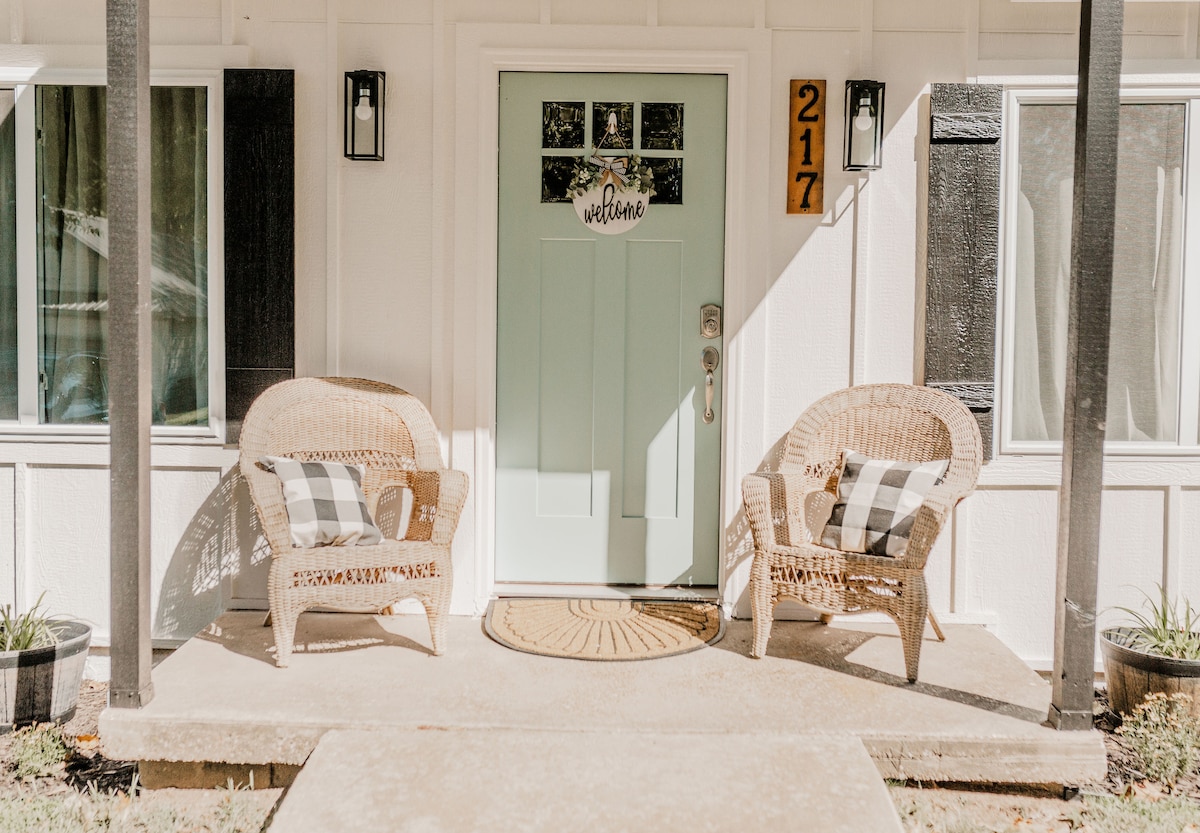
(73, 254)
(1147, 273)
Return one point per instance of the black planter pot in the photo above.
(1130, 673)
(42, 685)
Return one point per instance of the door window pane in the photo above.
(1143, 384)
(8, 257)
(72, 246)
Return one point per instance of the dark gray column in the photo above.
(1097, 116)
(129, 348)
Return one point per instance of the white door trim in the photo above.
(478, 67)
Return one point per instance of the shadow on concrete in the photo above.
(834, 648)
(316, 633)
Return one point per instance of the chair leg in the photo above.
(937, 628)
(267, 620)
(912, 623)
(826, 618)
(283, 627)
(437, 624)
(761, 608)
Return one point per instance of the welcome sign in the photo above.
(605, 209)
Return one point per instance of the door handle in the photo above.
(709, 359)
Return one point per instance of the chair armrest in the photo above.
(931, 516)
(266, 498)
(775, 507)
(438, 498)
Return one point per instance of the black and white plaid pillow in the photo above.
(877, 503)
(325, 503)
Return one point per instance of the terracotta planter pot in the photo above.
(1131, 673)
(42, 685)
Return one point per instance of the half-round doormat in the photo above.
(603, 629)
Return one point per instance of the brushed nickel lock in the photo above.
(710, 321)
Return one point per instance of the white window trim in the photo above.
(1188, 445)
(27, 427)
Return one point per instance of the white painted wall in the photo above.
(393, 259)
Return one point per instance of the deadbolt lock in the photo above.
(710, 321)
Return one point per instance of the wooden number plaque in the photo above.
(806, 148)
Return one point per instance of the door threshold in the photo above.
(605, 591)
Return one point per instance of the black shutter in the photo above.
(260, 338)
(963, 243)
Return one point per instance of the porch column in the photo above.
(1086, 401)
(129, 348)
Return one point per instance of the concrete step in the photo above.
(456, 781)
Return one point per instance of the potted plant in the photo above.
(1158, 652)
(41, 666)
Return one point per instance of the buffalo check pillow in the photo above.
(877, 502)
(325, 503)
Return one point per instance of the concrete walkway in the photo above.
(471, 780)
(975, 715)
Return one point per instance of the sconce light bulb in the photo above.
(863, 119)
(362, 111)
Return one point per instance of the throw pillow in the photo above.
(877, 503)
(325, 503)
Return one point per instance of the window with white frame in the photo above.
(64, 276)
(1154, 366)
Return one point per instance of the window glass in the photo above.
(8, 256)
(1143, 385)
(72, 246)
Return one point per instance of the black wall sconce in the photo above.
(364, 114)
(864, 126)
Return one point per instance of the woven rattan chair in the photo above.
(390, 433)
(897, 422)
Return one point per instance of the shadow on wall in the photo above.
(222, 544)
(739, 545)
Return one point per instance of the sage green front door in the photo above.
(607, 470)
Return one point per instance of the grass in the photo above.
(955, 811)
(235, 812)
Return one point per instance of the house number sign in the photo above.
(806, 148)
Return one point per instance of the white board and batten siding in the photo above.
(394, 267)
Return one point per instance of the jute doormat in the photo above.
(603, 629)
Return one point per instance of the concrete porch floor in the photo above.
(975, 714)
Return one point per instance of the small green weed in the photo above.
(1164, 736)
(28, 630)
(1165, 629)
(38, 751)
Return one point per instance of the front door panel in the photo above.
(607, 471)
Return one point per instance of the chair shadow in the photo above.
(830, 647)
(317, 632)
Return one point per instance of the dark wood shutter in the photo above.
(963, 244)
(260, 338)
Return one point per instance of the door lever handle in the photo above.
(709, 359)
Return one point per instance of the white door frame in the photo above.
(478, 68)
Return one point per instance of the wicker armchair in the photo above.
(889, 421)
(389, 432)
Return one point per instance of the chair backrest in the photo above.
(333, 419)
(888, 421)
